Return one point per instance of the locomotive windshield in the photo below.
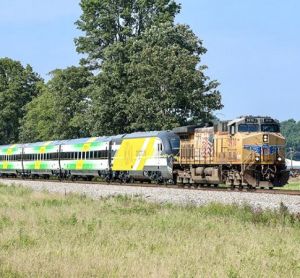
(248, 128)
(259, 127)
(270, 128)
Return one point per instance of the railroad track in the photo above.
(179, 187)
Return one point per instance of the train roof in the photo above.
(42, 143)
(142, 134)
(160, 134)
(11, 146)
(10, 149)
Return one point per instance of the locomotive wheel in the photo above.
(249, 187)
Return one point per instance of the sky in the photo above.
(253, 47)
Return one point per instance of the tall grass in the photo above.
(46, 235)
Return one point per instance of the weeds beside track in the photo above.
(48, 235)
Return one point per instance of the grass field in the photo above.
(293, 185)
(46, 235)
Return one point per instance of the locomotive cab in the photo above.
(261, 149)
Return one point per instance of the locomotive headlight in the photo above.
(257, 159)
(279, 158)
(266, 138)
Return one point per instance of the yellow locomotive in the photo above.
(246, 152)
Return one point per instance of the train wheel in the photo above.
(249, 187)
(131, 180)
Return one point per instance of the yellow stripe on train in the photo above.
(148, 153)
(43, 148)
(87, 146)
(133, 153)
(10, 149)
(79, 164)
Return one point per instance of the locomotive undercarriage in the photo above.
(242, 176)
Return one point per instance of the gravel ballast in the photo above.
(165, 195)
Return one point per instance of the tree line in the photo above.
(291, 130)
(141, 71)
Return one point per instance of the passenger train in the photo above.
(248, 151)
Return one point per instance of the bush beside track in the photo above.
(45, 234)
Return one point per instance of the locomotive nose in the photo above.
(273, 148)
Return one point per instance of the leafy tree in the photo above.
(291, 130)
(39, 120)
(107, 22)
(148, 74)
(158, 86)
(18, 85)
(59, 112)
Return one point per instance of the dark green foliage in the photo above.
(107, 22)
(153, 83)
(59, 111)
(291, 130)
(143, 72)
(150, 75)
(18, 85)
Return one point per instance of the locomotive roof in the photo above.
(253, 119)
